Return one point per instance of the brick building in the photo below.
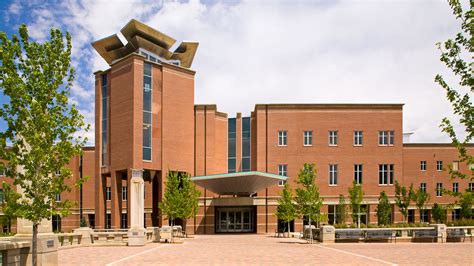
(147, 124)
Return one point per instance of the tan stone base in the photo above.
(136, 236)
(47, 247)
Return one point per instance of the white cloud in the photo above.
(292, 51)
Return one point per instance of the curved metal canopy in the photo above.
(242, 183)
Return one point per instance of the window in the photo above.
(56, 223)
(425, 216)
(104, 119)
(124, 193)
(332, 214)
(1, 195)
(411, 216)
(439, 165)
(455, 187)
(456, 214)
(124, 221)
(246, 144)
(423, 165)
(147, 105)
(231, 145)
(386, 174)
(470, 186)
(423, 187)
(58, 172)
(108, 221)
(455, 165)
(282, 170)
(357, 138)
(282, 138)
(439, 189)
(333, 174)
(308, 138)
(358, 173)
(386, 138)
(108, 193)
(58, 197)
(332, 138)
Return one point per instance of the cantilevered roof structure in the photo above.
(241, 184)
(139, 35)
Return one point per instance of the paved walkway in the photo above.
(267, 250)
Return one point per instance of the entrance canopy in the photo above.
(242, 183)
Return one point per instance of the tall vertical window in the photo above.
(147, 103)
(423, 187)
(386, 174)
(108, 221)
(58, 197)
(282, 138)
(439, 189)
(455, 187)
(423, 165)
(231, 145)
(455, 165)
(308, 138)
(358, 173)
(108, 193)
(104, 119)
(246, 146)
(333, 174)
(124, 193)
(470, 186)
(357, 138)
(333, 138)
(439, 165)
(123, 221)
(1, 195)
(386, 137)
(282, 170)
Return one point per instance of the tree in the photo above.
(456, 54)
(42, 133)
(307, 197)
(9, 205)
(180, 198)
(287, 209)
(356, 195)
(341, 210)
(403, 198)
(465, 202)
(420, 197)
(384, 210)
(438, 212)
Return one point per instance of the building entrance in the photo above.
(235, 220)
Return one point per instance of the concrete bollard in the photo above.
(86, 232)
(441, 230)
(327, 234)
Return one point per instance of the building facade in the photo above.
(146, 124)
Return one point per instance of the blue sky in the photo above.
(273, 51)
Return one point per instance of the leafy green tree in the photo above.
(403, 197)
(9, 205)
(356, 195)
(465, 202)
(420, 197)
(180, 198)
(307, 196)
(384, 209)
(438, 213)
(287, 209)
(43, 125)
(456, 54)
(341, 210)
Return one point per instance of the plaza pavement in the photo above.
(267, 250)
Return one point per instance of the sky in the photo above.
(253, 52)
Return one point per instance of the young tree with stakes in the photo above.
(356, 195)
(42, 124)
(403, 198)
(341, 210)
(420, 197)
(287, 209)
(384, 209)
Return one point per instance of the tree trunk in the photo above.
(35, 244)
(289, 229)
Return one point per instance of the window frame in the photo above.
(307, 138)
(386, 138)
(439, 189)
(358, 138)
(439, 166)
(282, 171)
(455, 187)
(423, 186)
(333, 138)
(124, 193)
(282, 138)
(423, 166)
(333, 175)
(386, 174)
(358, 173)
(108, 193)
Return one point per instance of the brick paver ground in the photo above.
(267, 250)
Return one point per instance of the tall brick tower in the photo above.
(144, 123)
